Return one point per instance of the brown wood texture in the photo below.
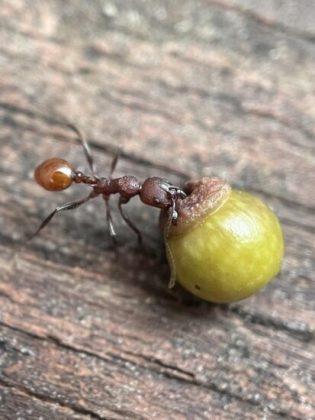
(183, 87)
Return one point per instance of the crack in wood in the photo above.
(267, 23)
(299, 331)
(172, 371)
(44, 398)
(289, 222)
(285, 200)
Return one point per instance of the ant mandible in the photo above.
(57, 174)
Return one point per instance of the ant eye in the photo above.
(54, 174)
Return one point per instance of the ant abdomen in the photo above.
(54, 174)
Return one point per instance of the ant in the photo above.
(57, 174)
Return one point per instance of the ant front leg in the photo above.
(111, 227)
(122, 201)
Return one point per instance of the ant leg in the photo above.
(69, 206)
(128, 221)
(114, 162)
(110, 223)
(171, 218)
(85, 145)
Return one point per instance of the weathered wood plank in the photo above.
(21, 403)
(184, 87)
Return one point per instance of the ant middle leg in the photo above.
(69, 206)
(127, 220)
(111, 227)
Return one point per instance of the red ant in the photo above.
(57, 174)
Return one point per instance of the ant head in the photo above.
(155, 192)
(54, 174)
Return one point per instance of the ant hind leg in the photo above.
(85, 145)
(128, 221)
(69, 206)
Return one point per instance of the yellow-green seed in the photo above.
(232, 253)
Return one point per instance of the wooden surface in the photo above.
(202, 87)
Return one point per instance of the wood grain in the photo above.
(184, 88)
